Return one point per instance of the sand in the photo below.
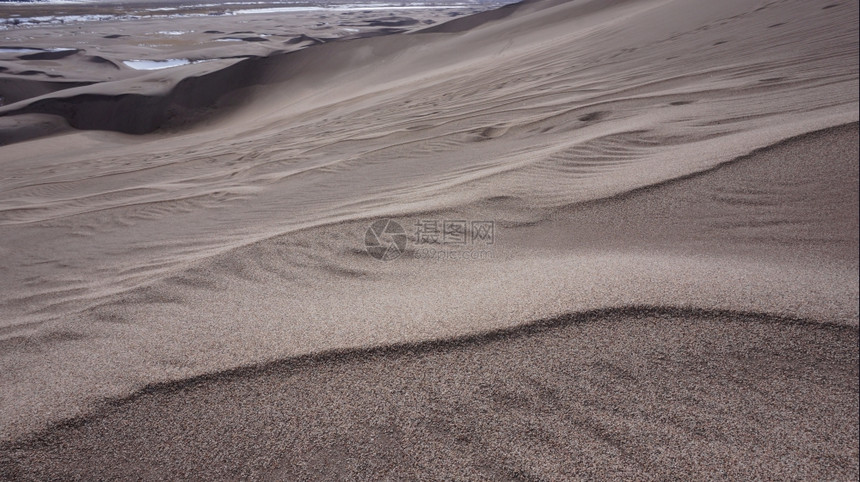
(671, 288)
(612, 394)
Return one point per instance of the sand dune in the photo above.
(676, 176)
(631, 393)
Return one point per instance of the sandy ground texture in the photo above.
(672, 185)
(632, 394)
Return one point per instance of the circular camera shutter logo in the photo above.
(385, 239)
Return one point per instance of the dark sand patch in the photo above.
(630, 393)
(50, 55)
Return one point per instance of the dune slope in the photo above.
(679, 154)
(632, 393)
